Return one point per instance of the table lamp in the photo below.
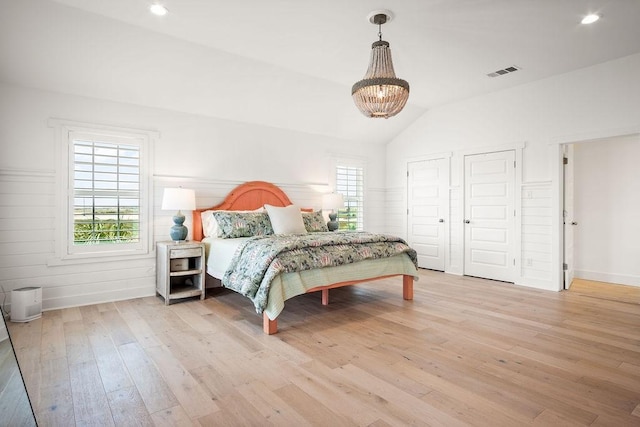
(180, 199)
(333, 202)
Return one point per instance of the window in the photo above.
(104, 191)
(350, 183)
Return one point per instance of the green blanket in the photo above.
(261, 258)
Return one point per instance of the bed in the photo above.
(249, 200)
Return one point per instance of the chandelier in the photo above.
(380, 93)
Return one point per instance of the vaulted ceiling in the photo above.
(291, 63)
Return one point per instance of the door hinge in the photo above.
(514, 212)
(407, 174)
(565, 267)
(565, 160)
(514, 164)
(407, 211)
(514, 261)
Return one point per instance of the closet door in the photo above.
(428, 186)
(489, 219)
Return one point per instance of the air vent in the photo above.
(504, 71)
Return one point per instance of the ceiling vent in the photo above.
(504, 71)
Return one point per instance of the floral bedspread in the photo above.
(260, 259)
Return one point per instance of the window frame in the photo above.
(351, 164)
(66, 133)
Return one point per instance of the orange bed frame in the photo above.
(255, 194)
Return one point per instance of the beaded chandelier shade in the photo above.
(380, 93)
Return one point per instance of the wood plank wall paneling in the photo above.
(374, 205)
(456, 231)
(537, 217)
(396, 212)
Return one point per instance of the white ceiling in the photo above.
(291, 63)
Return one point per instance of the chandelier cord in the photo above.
(380, 31)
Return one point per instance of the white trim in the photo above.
(556, 144)
(447, 207)
(231, 183)
(622, 279)
(494, 149)
(432, 156)
(145, 140)
(23, 172)
(515, 270)
(557, 246)
(595, 135)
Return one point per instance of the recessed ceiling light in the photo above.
(590, 19)
(158, 9)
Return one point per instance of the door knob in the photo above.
(574, 223)
(441, 220)
(466, 221)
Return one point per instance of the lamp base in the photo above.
(333, 225)
(178, 231)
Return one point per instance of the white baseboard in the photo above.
(96, 298)
(545, 285)
(621, 279)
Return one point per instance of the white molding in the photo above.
(594, 135)
(557, 244)
(106, 128)
(229, 183)
(430, 156)
(24, 172)
(146, 139)
(99, 258)
(66, 301)
(599, 276)
(493, 149)
(545, 285)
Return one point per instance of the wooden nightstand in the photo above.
(180, 270)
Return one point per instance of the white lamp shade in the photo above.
(181, 199)
(332, 201)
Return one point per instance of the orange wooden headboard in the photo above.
(248, 196)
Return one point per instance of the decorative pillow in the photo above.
(210, 225)
(287, 220)
(314, 222)
(232, 224)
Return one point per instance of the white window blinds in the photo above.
(350, 183)
(106, 192)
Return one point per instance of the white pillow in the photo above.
(210, 225)
(287, 220)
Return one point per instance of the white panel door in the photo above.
(428, 186)
(489, 215)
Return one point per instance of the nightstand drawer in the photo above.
(185, 253)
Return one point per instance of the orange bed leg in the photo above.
(325, 297)
(407, 287)
(269, 326)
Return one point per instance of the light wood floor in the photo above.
(465, 351)
(14, 403)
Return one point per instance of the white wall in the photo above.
(210, 155)
(607, 207)
(598, 101)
